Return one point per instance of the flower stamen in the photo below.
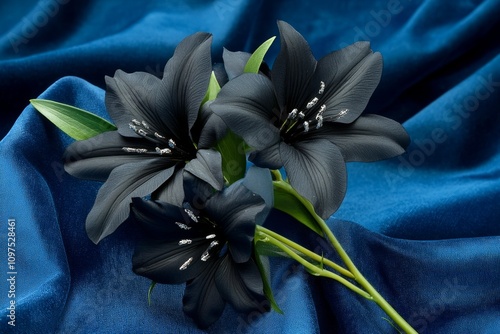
(185, 242)
(206, 254)
(186, 264)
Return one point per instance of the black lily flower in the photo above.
(307, 117)
(160, 134)
(209, 248)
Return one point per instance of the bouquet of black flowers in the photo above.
(199, 157)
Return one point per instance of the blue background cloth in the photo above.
(424, 228)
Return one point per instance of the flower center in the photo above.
(215, 246)
(162, 145)
(308, 118)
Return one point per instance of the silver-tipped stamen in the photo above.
(319, 118)
(182, 226)
(171, 143)
(157, 135)
(134, 150)
(302, 115)
(306, 126)
(186, 264)
(136, 122)
(322, 109)
(210, 236)
(133, 127)
(206, 254)
(142, 132)
(185, 242)
(293, 114)
(191, 215)
(145, 125)
(162, 151)
(343, 112)
(312, 103)
(321, 88)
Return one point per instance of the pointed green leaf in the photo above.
(287, 199)
(232, 150)
(213, 89)
(75, 122)
(253, 64)
(263, 265)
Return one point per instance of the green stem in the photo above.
(361, 280)
(315, 270)
(305, 251)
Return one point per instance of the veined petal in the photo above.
(172, 191)
(247, 104)
(268, 157)
(208, 167)
(111, 206)
(234, 62)
(369, 138)
(185, 82)
(202, 300)
(209, 127)
(241, 285)
(317, 171)
(350, 76)
(293, 67)
(135, 96)
(170, 262)
(235, 211)
(96, 157)
(161, 220)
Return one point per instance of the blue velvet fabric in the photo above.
(424, 228)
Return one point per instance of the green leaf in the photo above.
(253, 64)
(232, 150)
(75, 122)
(150, 291)
(263, 265)
(213, 89)
(287, 199)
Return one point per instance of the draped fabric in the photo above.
(424, 227)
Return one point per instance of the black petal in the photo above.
(96, 157)
(268, 157)
(292, 69)
(246, 105)
(185, 82)
(209, 128)
(234, 62)
(172, 191)
(202, 300)
(316, 169)
(369, 138)
(208, 167)
(170, 263)
(350, 76)
(139, 96)
(240, 284)
(235, 211)
(111, 206)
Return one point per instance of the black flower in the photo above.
(160, 134)
(307, 118)
(209, 248)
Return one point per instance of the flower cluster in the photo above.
(165, 166)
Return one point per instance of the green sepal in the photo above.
(150, 291)
(77, 123)
(253, 64)
(288, 200)
(213, 89)
(232, 150)
(263, 265)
